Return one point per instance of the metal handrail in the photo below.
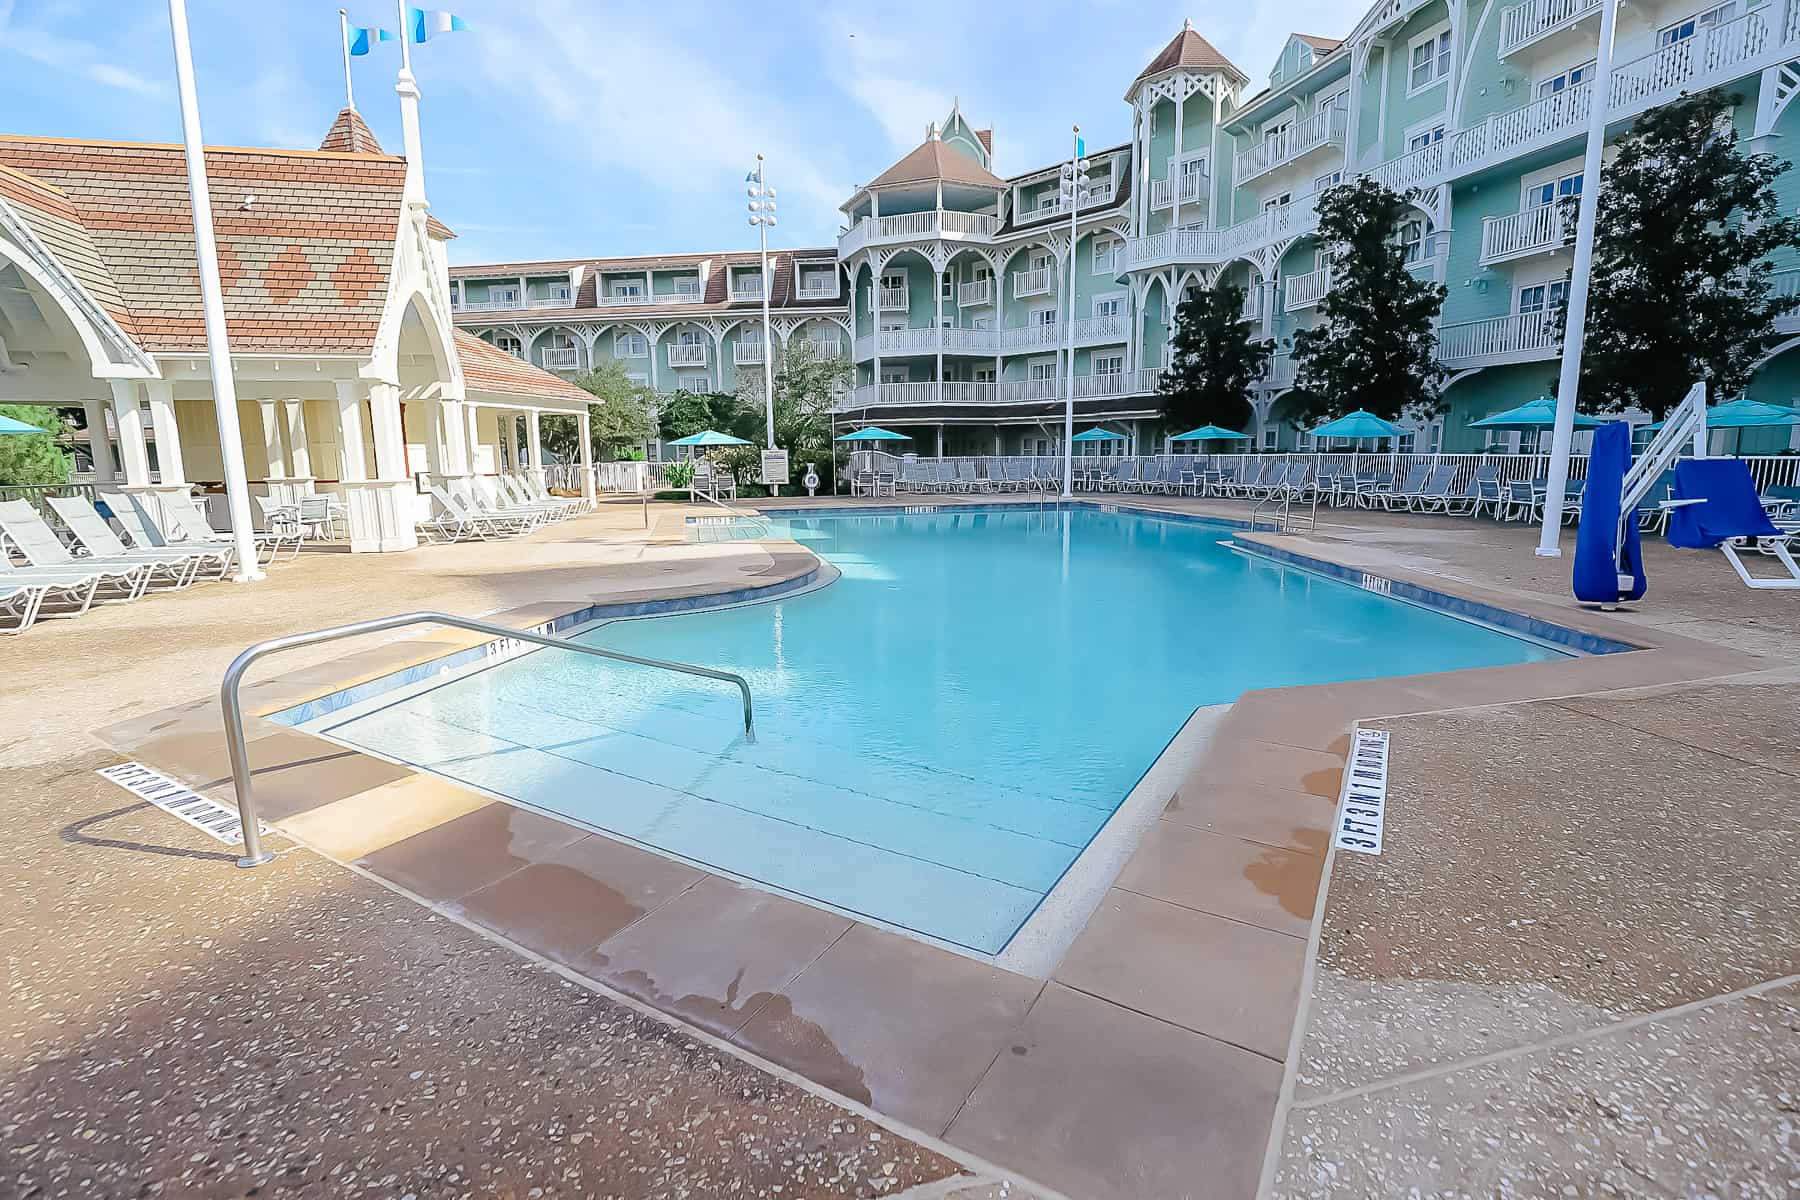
(254, 855)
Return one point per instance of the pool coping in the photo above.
(1279, 757)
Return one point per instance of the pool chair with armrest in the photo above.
(473, 520)
(1438, 493)
(1413, 485)
(32, 594)
(26, 531)
(1716, 506)
(490, 498)
(560, 508)
(968, 477)
(451, 521)
(483, 501)
(1487, 491)
(184, 524)
(98, 540)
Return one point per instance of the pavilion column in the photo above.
(383, 510)
(299, 454)
(99, 441)
(509, 437)
(472, 439)
(584, 430)
(452, 429)
(534, 436)
(169, 467)
(128, 417)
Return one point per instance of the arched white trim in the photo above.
(111, 352)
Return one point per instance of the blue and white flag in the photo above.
(361, 41)
(423, 24)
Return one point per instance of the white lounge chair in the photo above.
(99, 540)
(26, 531)
(182, 523)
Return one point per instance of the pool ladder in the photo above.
(254, 854)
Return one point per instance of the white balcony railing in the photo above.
(691, 354)
(976, 294)
(1218, 245)
(561, 358)
(1524, 24)
(1324, 128)
(1036, 336)
(1280, 372)
(553, 300)
(1253, 303)
(1012, 391)
(1116, 383)
(1516, 337)
(504, 305)
(1193, 190)
(747, 291)
(916, 226)
(747, 353)
(1304, 291)
(1025, 391)
(628, 298)
(891, 298)
(1031, 283)
(1100, 330)
(1049, 207)
(971, 341)
(1536, 230)
(818, 289)
(1415, 168)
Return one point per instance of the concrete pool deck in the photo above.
(1155, 1057)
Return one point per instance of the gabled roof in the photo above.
(54, 221)
(934, 160)
(1188, 51)
(306, 238)
(487, 368)
(588, 302)
(1322, 45)
(350, 134)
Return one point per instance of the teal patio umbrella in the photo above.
(8, 425)
(1744, 414)
(1208, 433)
(875, 433)
(709, 437)
(1357, 425)
(1534, 414)
(1097, 434)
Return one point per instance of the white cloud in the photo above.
(879, 71)
(637, 98)
(72, 55)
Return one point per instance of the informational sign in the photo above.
(775, 468)
(1364, 805)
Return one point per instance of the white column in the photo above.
(455, 428)
(584, 429)
(299, 453)
(937, 283)
(351, 456)
(271, 433)
(1175, 167)
(534, 436)
(129, 418)
(390, 435)
(509, 437)
(383, 511)
(472, 440)
(99, 441)
(169, 466)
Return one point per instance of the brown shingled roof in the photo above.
(306, 238)
(935, 160)
(54, 220)
(487, 368)
(1189, 51)
(438, 229)
(1323, 45)
(350, 134)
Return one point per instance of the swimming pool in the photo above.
(941, 731)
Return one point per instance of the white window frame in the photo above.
(1426, 133)
(1040, 260)
(1328, 181)
(692, 337)
(688, 285)
(639, 379)
(1109, 298)
(1552, 177)
(1038, 370)
(892, 324)
(1441, 59)
(1566, 77)
(1113, 246)
(503, 293)
(1118, 361)
(693, 383)
(894, 375)
(625, 289)
(510, 343)
(1547, 304)
(1279, 201)
(982, 375)
(1693, 23)
(900, 281)
(559, 291)
(1045, 315)
(947, 285)
(636, 344)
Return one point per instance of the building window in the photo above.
(1413, 241)
(1424, 137)
(630, 345)
(1539, 297)
(892, 324)
(1563, 80)
(1109, 306)
(1428, 59)
(1043, 370)
(1109, 364)
(1281, 201)
(1324, 182)
(1043, 316)
(947, 286)
(503, 295)
(1681, 31)
(510, 344)
(893, 375)
(559, 291)
(1105, 251)
(984, 375)
(687, 287)
(627, 291)
(693, 383)
(1552, 191)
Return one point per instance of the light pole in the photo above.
(212, 304)
(762, 215)
(1568, 382)
(1074, 178)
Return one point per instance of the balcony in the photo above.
(1536, 20)
(1117, 383)
(747, 353)
(1032, 283)
(1046, 335)
(1091, 331)
(1253, 303)
(1181, 246)
(553, 300)
(1536, 230)
(1514, 338)
(1279, 374)
(891, 298)
(690, 354)
(818, 289)
(919, 226)
(505, 304)
(976, 294)
(561, 358)
(1012, 391)
(1193, 190)
(1415, 168)
(681, 296)
(1304, 291)
(747, 290)
(1324, 128)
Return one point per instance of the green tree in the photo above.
(1215, 363)
(807, 384)
(685, 414)
(1375, 346)
(33, 457)
(1681, 285)
(623, 418)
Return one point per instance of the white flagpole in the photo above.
(1575, 330)
(1068, 491)
(344, 30)
(218, 345)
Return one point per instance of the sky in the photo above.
(578, 128)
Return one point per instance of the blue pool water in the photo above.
(942, 730)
